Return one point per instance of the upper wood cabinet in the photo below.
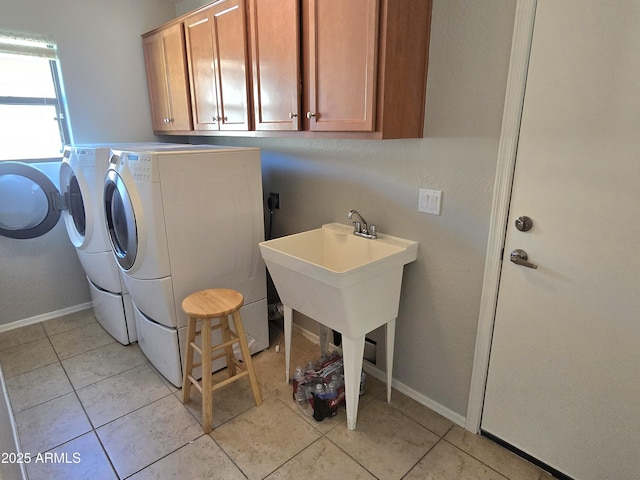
(275, 48)
(312, 68)
(167, 79)
(217, 56)
(354, 68)
(340, 43)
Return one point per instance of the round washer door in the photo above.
(29, 201)
(121, 220)
(76, 214)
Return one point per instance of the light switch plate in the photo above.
(429, 201)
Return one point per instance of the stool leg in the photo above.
(207, 402)
(246, 356)
(188, 360)
(226, 336)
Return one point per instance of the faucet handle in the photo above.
(373, 231)
(357, 226)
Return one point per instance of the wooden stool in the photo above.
(208, 305)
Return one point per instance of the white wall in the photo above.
(320, 180)
(103, 72)
(186, 6)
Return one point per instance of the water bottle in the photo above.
(321, 404)
(298, 376)
(297, 380)
(300, 396)
(331, 391)
(302, 401)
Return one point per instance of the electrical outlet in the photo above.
(429, 201)
(274, 201)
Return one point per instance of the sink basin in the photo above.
(348, 283)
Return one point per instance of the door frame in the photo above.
(507, 149)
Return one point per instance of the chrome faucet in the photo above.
(360, 227)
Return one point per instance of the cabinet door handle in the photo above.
(310, 115)
(292, 115)
(214, 119)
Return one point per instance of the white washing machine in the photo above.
(82, 178)
(180, 221)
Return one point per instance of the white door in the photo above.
(564, 371)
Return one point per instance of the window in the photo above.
(33, 123)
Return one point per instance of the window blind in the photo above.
(31, 45)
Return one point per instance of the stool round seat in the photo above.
(212, 303)
(211, 308)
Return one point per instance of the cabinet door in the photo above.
(180, 107)
(231, 61)
(275, 40)
(200, 53)
(341, 74)
(157, 81)
(167, 79)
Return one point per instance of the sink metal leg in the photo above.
(288, 319)
(352, 352)
(324, 338)
(391, 335)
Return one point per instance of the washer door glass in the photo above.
(27, 201)
(76, 206)
(121, 221)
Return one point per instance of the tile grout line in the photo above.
(383, 394)
(482, 462)
(349, 455)
(75, 391)
(164, 456)
(441, 439)
(94, 429)
(86, 414)
(226, 454)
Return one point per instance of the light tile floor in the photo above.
(103, 410)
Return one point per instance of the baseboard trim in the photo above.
(44, 317)
(374, 371)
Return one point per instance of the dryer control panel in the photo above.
(140, 166)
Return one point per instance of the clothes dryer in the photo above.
(180, 221)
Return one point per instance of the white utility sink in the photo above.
(347, 283)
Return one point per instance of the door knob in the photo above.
(524, 223)
(520, 257)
